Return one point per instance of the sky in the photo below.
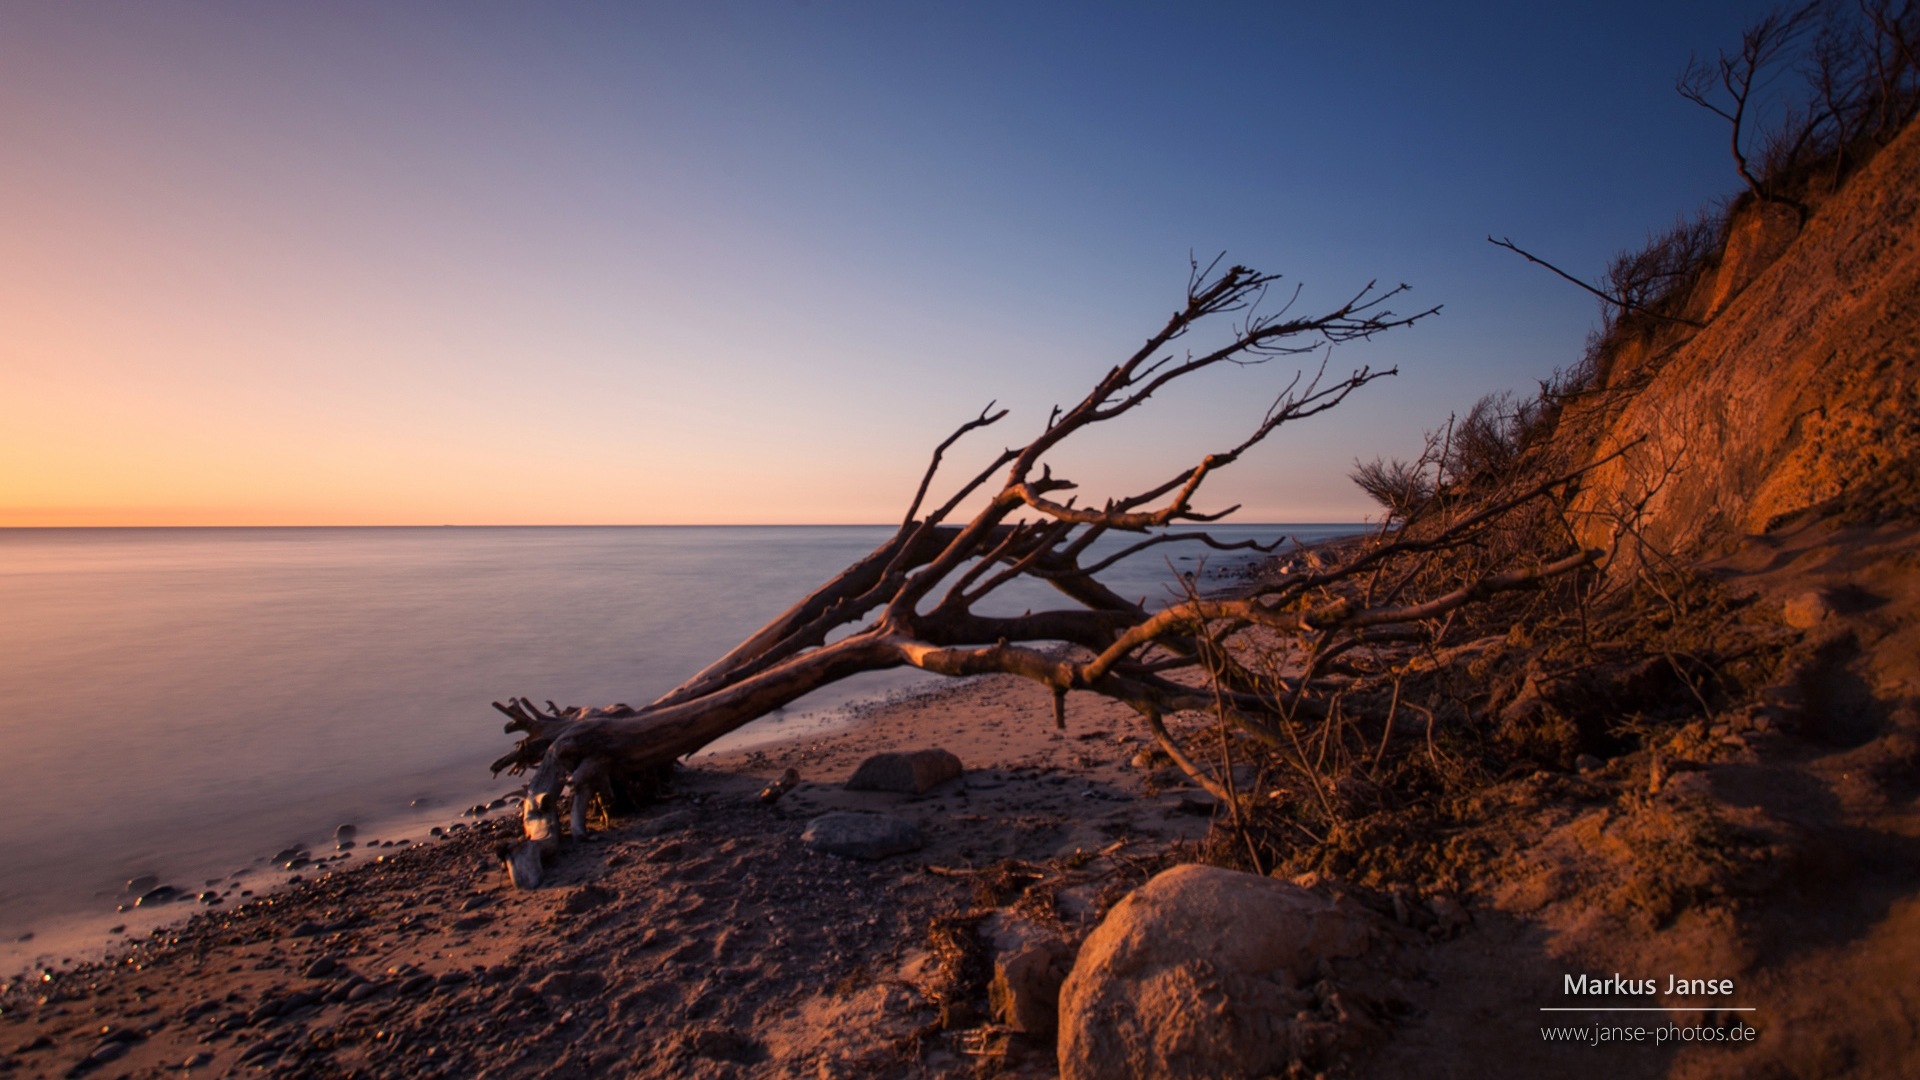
(677, 263)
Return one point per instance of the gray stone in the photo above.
(1204, 972)
(1029, 964)
(862, 836)
(911, 772)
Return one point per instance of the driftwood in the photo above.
(914, 597)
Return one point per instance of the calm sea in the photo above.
(185, 702)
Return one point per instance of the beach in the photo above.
(697, 938)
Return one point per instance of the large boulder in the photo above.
(1204, 972)
(862, 836)
(911, 772)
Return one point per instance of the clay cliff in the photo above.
(1802, 385)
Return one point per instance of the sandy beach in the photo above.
(699, 938)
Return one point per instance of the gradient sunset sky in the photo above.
(425, 263)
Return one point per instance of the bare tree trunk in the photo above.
(913, 598)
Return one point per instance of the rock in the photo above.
(913, 772)
(1808, 610)
(1029, 964)
(345, 834)
(1587, 763)
(143, 883)
(1204, 972)
(159, 895)
(862, 836)
(322, 968)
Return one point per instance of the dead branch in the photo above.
(1619, 301)
(874, 616)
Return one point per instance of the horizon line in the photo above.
(633, 525)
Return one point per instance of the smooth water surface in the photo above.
(184, 701)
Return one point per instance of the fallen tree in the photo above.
(914, 600)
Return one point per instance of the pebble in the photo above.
(321, 968)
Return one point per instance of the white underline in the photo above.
(1652, 1009)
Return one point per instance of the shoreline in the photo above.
(65, 939)
(716, 918)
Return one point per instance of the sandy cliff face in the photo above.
(1803, 385)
